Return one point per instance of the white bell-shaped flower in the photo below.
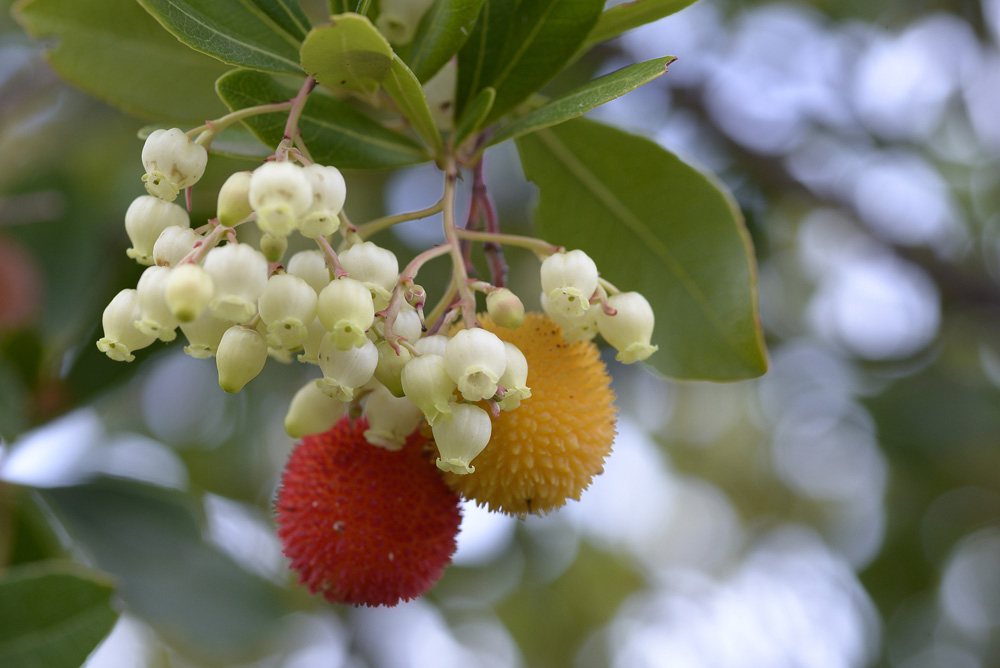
(346, 310)
(390, 367)
(475, 360)
(581, 328)
(204, 334)
(407, 325)
(239, 275)
(426, 383)
(188, 291)
(398, 19)
(631, 329)
(329, 192)
(157, 318)
(234, 199)
(279, 193)
(376, 267)
(173, 162)
(145, 219)
(435, 344)
(345, 370)
(310, 266)
(514, 378)
(173, 245)
(391, 419)
(287, 306)
(240, 357)
(505, 308)
(569, 280)
(312, 411)
(121, 337)
(440, 93)
(315, 333)
(460, 436)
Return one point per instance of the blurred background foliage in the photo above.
(841, 511)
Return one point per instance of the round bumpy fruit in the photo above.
(549, 448)
(364, 525)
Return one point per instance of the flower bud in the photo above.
(329, 192)
(234, 199)
(240, 357)
(310, 266)
(188, 291)
(279, 193)
(346, 310)
(204, 334)
(435, 344)
(461, 436)
(426, 383)
(505, 308)
(390, 367)
(173, 245)
(173, 162)
(475, 360)
(157, 319)
(239, 274)
(390, 419)
(312, 411)
(287, 306)
(630, 330)
(315, 333)
(582, 328)
(514, 378)
(376, 267)
(121, 338)
(569, 280)
(346, 370)
(272, 247)
(145, 219)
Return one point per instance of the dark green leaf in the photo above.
(335, 132)
(655, 225)
(53, 614)
(404, 88)
(150, 539)
(474, 115)
(116, 51)
(586, 97)
(341, 6)
(630, 15)
(349, 53)
(443, 30)
(243, 33)
(517, 47)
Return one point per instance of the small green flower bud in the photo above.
(376, 267)
(426, 383)
(514, 378)
(631, 329)
(173, 162)
(273, 247)
(461, 436)
(346, 370)
(239, 274)
(346, 310)
(287, 306)
(475, 360)
(390, 419)
(569, 280)
(173, 245)
(234, 199)
(188, 291)
(310, 266)
(240, 357)
(505, 308)
(312, 411)
(279, 193)
(145, 219)
(329, 192)
(121, 338)
(157, 319)
(390, 367)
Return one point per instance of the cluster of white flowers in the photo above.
(351, 314)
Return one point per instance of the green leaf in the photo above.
(586, 97)
(655, 225)
(630, 15)
(474, 115)
(517, 47)
(117, 52)
(53, 614)
(247, 33)
(349, 53)
(404, 88)
(341, 6)
(236, 141)
(335, 132)
(443, 30)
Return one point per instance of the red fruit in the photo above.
(362, 524)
